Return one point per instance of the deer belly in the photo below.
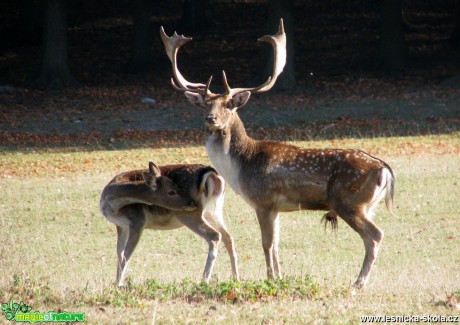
(312, 197)
(285, 204)
(161, 221)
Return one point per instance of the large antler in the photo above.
(278, 42)
(172, 45)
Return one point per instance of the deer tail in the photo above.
(390, 188)
(212, 189)
(388, 177)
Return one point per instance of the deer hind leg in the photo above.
(122, 238)
(269, 227)
(128, 238)
(199, 226)
(372, 237)
(219, 225)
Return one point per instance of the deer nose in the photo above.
(211, 118)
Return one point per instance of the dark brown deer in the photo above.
(167, 198)
(274, 177)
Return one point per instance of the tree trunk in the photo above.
(282, 9)
(142, 56)
(455, 36)
(393, 51)
(194, 18)
(54, 72)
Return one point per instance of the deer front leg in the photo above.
(276, 241)
(130, 237)
(269, 227)
(199, 226)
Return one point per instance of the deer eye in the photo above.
(172, 192)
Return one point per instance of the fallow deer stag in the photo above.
(273, 177)
(167, 198)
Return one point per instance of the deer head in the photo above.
(220, 107)
(165, 191)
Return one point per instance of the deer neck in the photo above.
(229, 149)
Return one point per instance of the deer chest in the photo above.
(221, 159)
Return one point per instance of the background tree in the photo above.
(393, 50)
(141, 59)
(54, 72)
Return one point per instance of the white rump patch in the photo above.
(379, 193)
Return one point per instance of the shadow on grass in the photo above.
(133, 139)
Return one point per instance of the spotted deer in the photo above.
(165, 198)
(274, 177)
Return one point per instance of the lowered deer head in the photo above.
(274, 177)
(148, 187)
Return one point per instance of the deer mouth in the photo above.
(191, 206)
(213, 126)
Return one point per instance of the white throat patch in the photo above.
(223, 162)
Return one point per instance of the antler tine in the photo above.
(278, 41)
(176, 87)
(172, 45)
(208, 84)
(228, 90)
(182, 89)
(231, 92)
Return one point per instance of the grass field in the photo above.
(57, 252)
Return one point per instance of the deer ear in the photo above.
(195, 98)
(240, 99)
(150, 180)
(154, 169)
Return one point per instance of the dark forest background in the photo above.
(96, 72)
(52, 44)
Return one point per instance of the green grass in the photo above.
(57, 252)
